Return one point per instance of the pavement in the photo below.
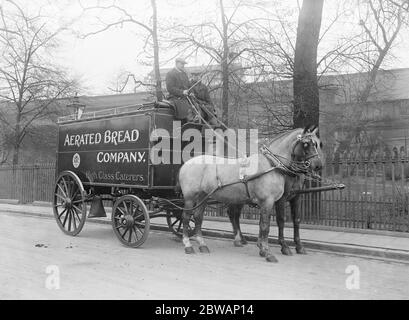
(379, 244)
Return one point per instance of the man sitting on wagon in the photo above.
(178, 85)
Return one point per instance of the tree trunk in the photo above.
(306, 95)
(17, 140)
(16, 154)
(158, 85)
(305, 82)
(225, 69)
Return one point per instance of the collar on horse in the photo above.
(293, 169)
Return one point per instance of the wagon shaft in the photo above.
(319, 189)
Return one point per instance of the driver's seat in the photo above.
(164, 104)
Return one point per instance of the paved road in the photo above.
(94, 265)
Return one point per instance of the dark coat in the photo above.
(176, 82)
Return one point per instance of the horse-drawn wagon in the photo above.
(105, 156)
(112, 155)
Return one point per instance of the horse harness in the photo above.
(276, 163)
(292, 170)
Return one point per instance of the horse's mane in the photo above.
(283, 134)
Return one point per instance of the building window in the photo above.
(404, 107)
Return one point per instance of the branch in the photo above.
(137, 84)
(129, 19)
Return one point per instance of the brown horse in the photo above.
(266, 184)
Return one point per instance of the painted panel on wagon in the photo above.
(111, 151)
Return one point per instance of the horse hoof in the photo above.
(204, 249)
(263, 253)
(189, 250)
(237, 243)
(286, 251)
(300, 250)
(243, 241)
(271, 258)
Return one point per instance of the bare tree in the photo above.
(267, 48)
(222, 41)
(30, 85)
(388, 20)
(381, 22)
(126, 17)
(272, 58)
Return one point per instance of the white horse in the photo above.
(264, 184)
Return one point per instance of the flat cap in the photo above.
(181, 60)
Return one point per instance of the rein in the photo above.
(220, 185)
(289, 170)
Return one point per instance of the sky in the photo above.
(98, 59)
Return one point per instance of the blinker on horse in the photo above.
(278, 169)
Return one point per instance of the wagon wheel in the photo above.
(175, 223)
(69, 205)
(130, 220)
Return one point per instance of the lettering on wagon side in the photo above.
(121, 157)
(117, 176)
(114, 137)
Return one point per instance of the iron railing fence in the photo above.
(27, 183)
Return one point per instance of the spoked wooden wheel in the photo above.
(69, 205)
(175, 223)
(130, 220)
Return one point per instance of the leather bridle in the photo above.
(305, 139)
